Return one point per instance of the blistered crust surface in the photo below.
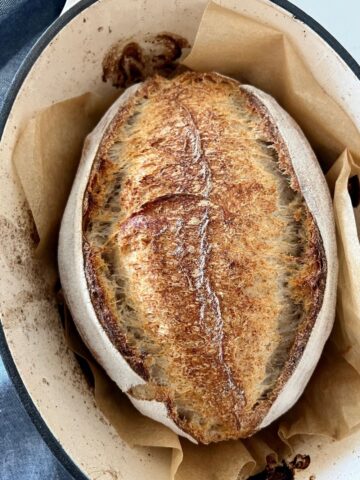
(203, 262)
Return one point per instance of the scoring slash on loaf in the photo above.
(197, 254)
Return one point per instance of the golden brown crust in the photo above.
(203, 178)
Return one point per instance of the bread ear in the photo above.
(316, 193)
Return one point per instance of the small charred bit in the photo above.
(300, 462)
(354, 190)
(120, 68)
(284, 470)
(125, 65)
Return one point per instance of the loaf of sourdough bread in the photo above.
(197, 254)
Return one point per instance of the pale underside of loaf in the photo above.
(204, 264)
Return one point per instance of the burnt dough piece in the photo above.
(198, 256)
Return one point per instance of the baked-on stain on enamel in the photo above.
(284, 470)
(125, 65)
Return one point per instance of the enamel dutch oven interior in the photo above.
(67, 62)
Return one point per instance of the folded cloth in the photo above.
(23, 453)
(21, 24)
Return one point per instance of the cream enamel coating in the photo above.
(62, 71)
(315, 190)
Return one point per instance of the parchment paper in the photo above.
(46, 157)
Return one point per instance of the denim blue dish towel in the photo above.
(23, 453)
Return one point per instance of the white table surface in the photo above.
(340, 17)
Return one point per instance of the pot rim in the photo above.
(34, 414)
